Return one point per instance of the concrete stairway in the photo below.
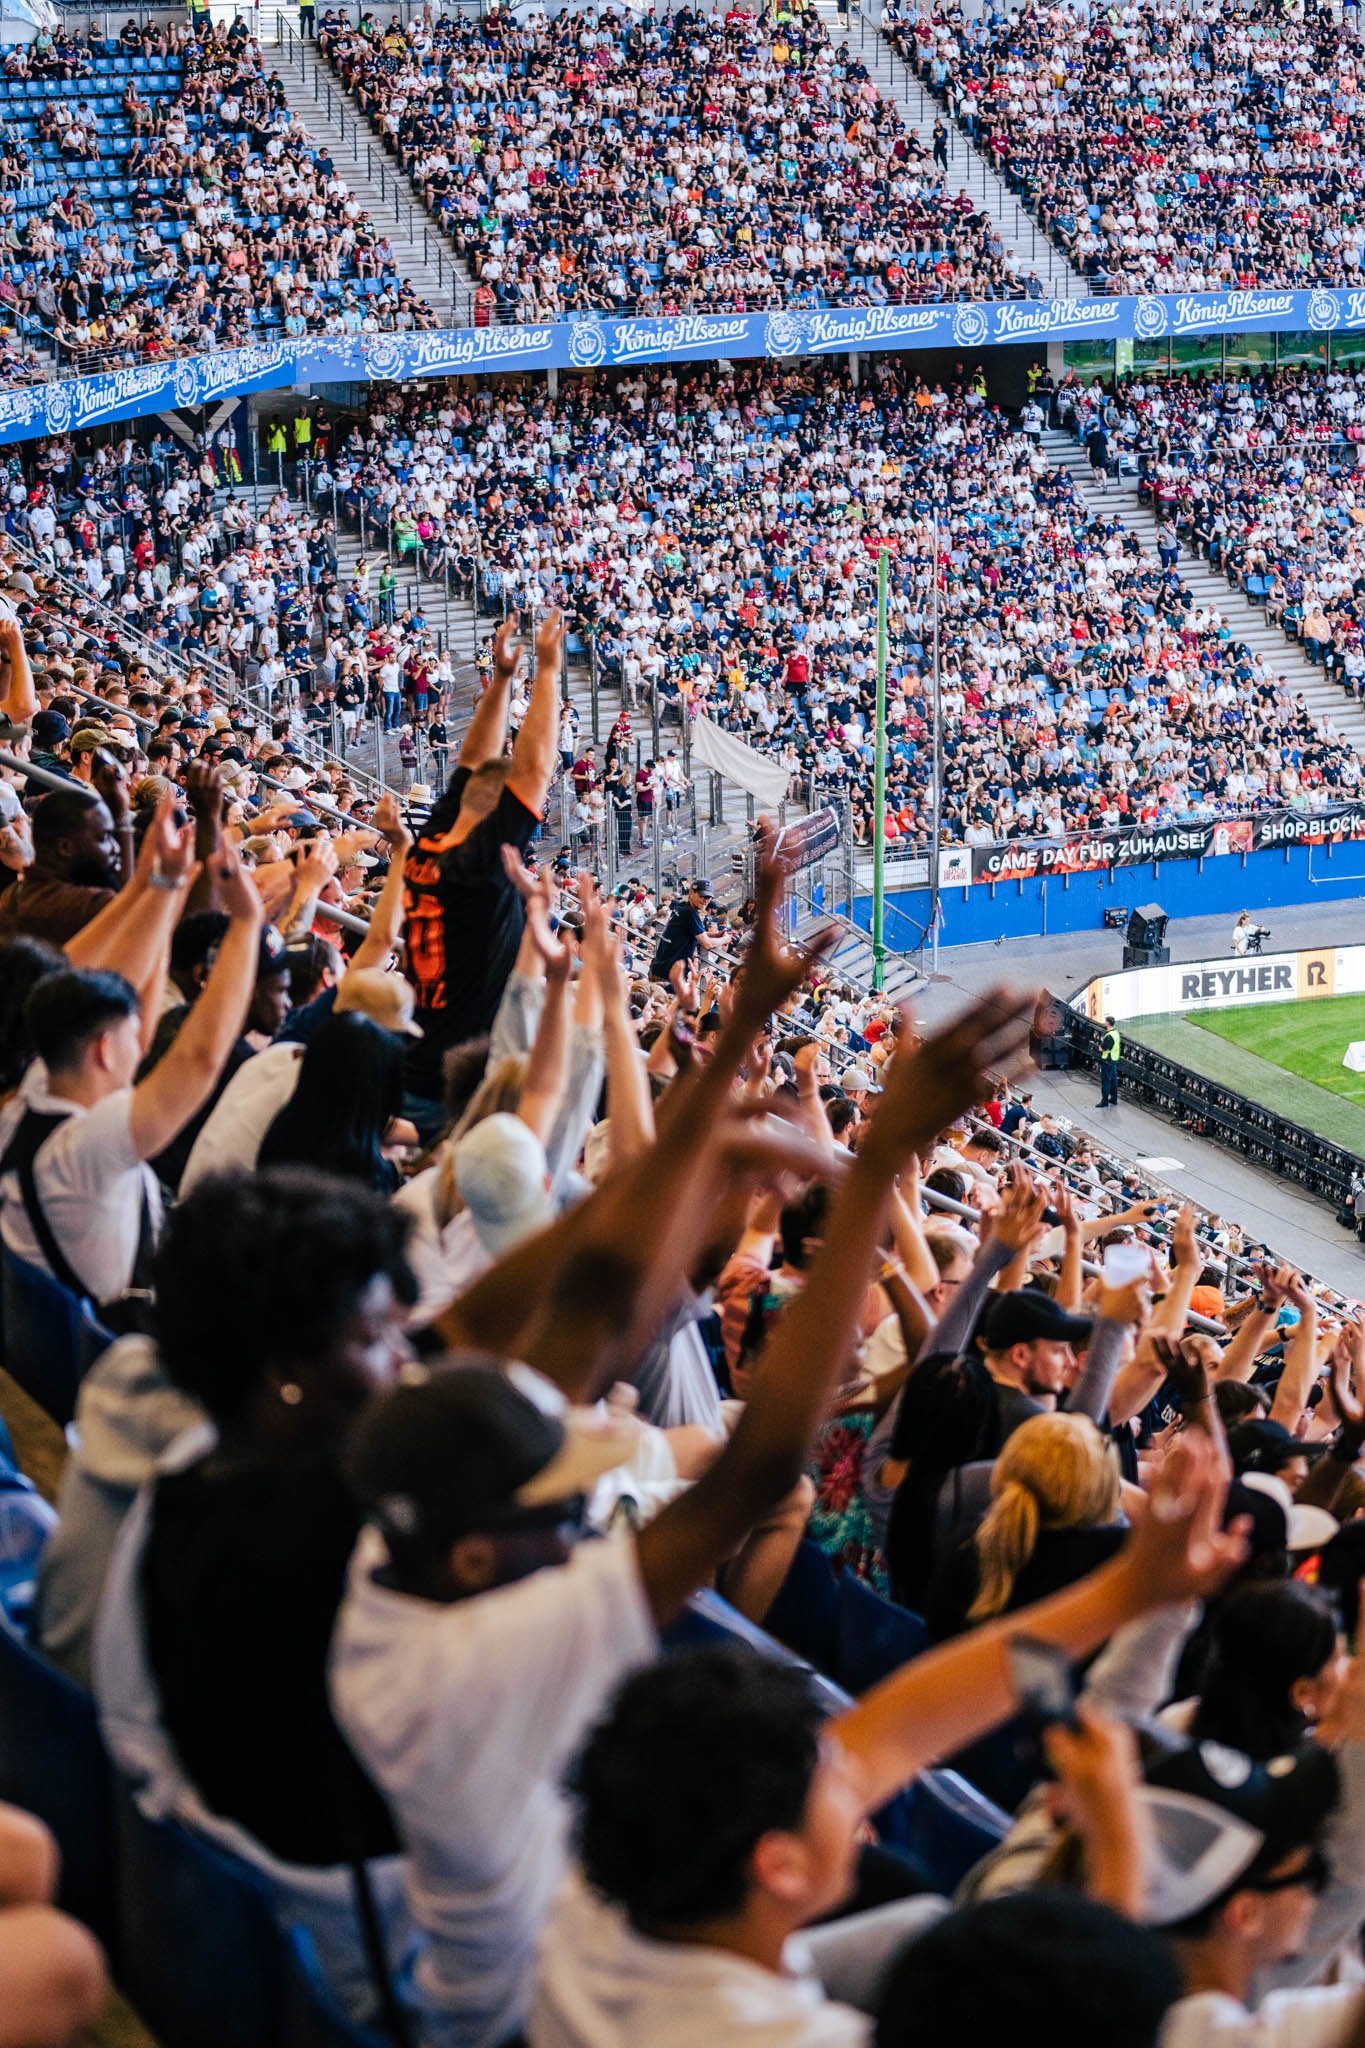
(424, 255)
(1026, 246)
(1283, 656)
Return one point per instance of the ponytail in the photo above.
(1004, 1545)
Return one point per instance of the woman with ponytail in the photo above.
(1053, 1517)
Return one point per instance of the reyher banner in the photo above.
(65, 405)
(1137, 845)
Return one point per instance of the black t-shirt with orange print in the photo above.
(463, 922)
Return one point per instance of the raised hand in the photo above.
(1064, 1203)
(167, 849)
(389, 823)
(518, 874)
(1348, 1369)
(772, 970)
(1184, 1241)
(204, 791)
(554, 953)
(550, 641)
(1018, 1222)
(318, 866)
(1179, 1550)
(236, 890)
(930, 1088)
(507, 648)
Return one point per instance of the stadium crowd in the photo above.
(246, 589)
(1260, 474)
(179, 207)
(1168, 145)
(713, 530)
(613, 1337)
(682, 162)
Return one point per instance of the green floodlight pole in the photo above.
(879, 788)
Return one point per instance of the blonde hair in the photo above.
(1055, 1472)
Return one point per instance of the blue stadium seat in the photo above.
(53, 1763)
(951, 1826)
(313, 2019)
(202, 1959)
(26, 1522)
(48, 1337)
(805, 1614)
(875, 1636)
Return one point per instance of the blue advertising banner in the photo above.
(67, 404)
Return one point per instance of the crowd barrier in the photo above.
(1213, 1111)
(68, 403)
(1225, 983)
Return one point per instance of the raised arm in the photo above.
(542, 1087)
(180, 1084)
(536, 750)
(1300, 1359)
(132, 934)
(386, 919)
(950, 1696)
(815, 1335)
(19, 701)
(487, 734)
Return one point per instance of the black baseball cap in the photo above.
(49, 728)
(1260, 1445)
(1221, 1821)
(467, 1449)
(274, 954)
(1025, 1315)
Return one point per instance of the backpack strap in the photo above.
(21, 1157)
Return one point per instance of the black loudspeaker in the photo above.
(1146, 931)
(1147, 925)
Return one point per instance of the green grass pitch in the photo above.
(1286, 1055)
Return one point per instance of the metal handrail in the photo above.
(228, 691)
(48, 779)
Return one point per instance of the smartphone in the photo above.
(1042, 1679)
(1124, 1263)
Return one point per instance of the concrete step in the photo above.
(1028, 249)
(425, 256)
(1248, 622)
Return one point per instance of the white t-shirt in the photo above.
(466, 1716)
(90, 1183)
(601, 1985)
(1316, 2018)
(243, 1113)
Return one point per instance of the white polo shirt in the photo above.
(599, 1984)
(1317, 2018)
(90, 1183)
(231, 1139)
(466, 1716)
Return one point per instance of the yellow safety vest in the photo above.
(1116, 1054)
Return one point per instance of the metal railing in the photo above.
(763, 298)
(410, 215)
(224, 686)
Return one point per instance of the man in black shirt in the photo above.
(463, 915)
(685, 933)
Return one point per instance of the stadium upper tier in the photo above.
(172, 202)
(1167, 145)
(710, 527)
(688, 162)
